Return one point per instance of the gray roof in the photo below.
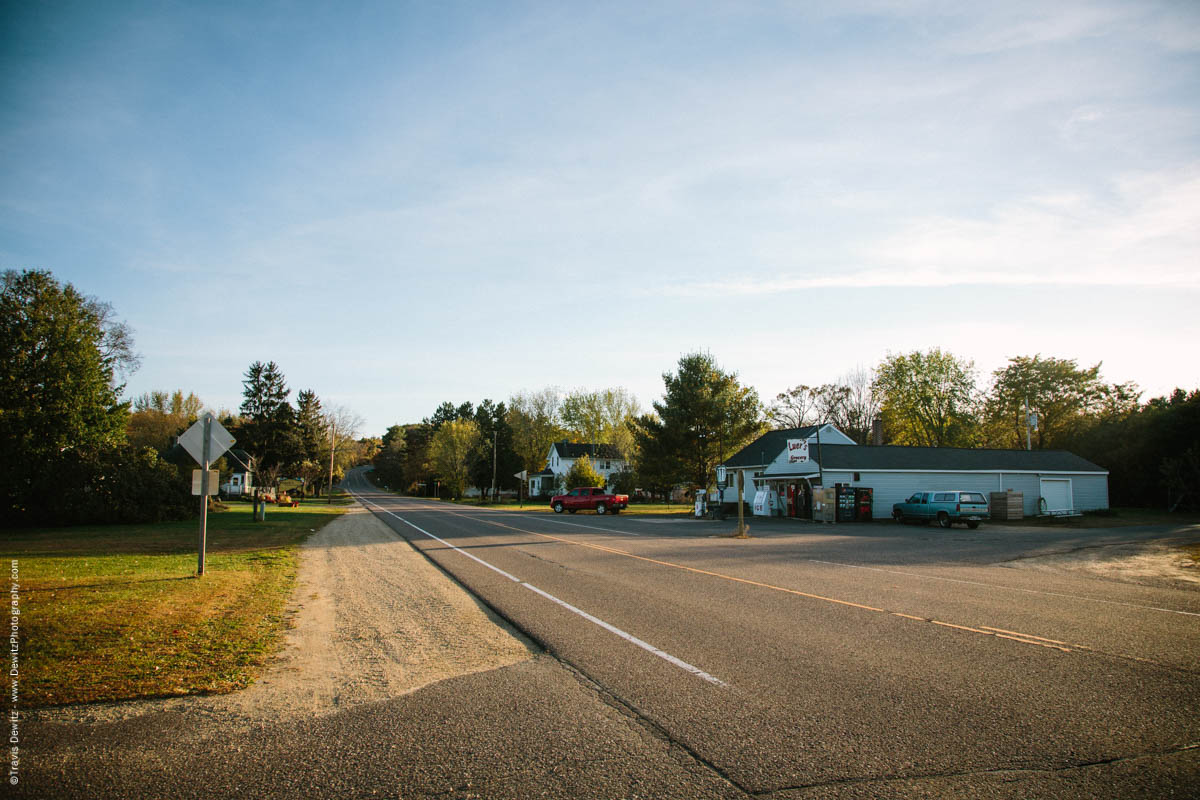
(765, 448)
(576, 449)
(934, 459)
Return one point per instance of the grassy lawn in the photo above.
(117, 612)
(543, 506)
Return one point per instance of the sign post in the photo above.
(741, 531)
(207, 440)
(521, 478)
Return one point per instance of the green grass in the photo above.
(543, 506)
(117, 612)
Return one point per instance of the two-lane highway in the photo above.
(856, 660)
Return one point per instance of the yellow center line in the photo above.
(1026, 635)
(984, 630)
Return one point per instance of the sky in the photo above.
(407, 203)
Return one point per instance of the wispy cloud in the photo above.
(1146, 235)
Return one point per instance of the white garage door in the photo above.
(1057, 494)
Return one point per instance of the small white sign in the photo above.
(797, 451)
(214, 477)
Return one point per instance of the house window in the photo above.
(856, 478)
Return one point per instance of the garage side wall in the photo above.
(1090, 491)
(896, 487)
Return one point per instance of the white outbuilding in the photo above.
(1050, 480)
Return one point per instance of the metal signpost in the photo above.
(521, 477)
(206, 441)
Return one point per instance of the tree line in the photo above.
(933, 398)
(705, 416)
(75, 452)
(929, 398)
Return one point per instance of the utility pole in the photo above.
(820, 458)
(1028, 439)
(495, 439)
(332, 445)
(741, 531)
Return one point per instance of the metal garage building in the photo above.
(1064, 480)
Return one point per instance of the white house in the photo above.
(605, 458)
(241, 479)
(239, 483)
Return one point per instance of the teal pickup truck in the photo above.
(946, 508)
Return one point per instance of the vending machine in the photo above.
(845, 502)
(864, 502)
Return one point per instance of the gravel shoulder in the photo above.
(372, 619)
(1154, 563)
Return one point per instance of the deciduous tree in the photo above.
(927, 398)
(794, 408)
(338, 451)
(536, 424)
(1065, 398)
(600, 417)
(453, 446)
(158, 417)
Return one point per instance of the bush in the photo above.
(120, 484)
(582, 473)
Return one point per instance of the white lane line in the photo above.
(555, 520)
(629, 637)
(1009, 588)
(512, 578)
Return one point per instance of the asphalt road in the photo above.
(839, 660)
(809, 661)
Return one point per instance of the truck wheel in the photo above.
(944, 519)
(558, 508)
(896, 515)
(601, 509)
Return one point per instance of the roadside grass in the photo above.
(117, 612)
(543, 506)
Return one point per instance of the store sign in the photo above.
(797, 451)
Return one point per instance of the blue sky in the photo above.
(404, 203)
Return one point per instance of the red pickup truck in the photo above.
(590, 498)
